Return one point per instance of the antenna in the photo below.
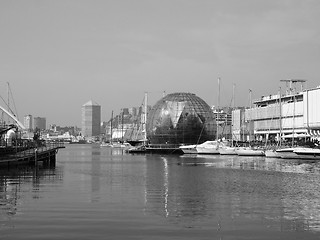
(291, 85)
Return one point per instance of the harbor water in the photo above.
(98, 192)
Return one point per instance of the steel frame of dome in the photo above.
(180, 118)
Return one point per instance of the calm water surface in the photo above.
(103, 193)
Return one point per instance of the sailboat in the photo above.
(249, 151)
(297, 152)
(212, 147)
(225, 149)
(111, 143)
(141, 148)
(270, 152)
(108, 144)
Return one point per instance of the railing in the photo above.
(29, 149)
(163, 146)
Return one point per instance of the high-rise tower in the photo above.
(91, 119)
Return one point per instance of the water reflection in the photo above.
(95, 169)
(216, 193)
(17, 182)
(284, 195)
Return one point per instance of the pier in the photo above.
(163, 149)
(42, 154)
(157, 149)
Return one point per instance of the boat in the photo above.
(295, 152)
(189, 149)
(271, 150)
(105, 144)
(227, 150)
(137, 149)
(249, 151)
(120, 145)
(303, 153)
(141, 145)
(307, 153)
(16, 149)
(272, 153)
(208, 147)
(211, 147)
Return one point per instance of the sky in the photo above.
(57, 55)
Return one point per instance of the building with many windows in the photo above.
(290, 115)
(28, 122)
(91, 119)
(39, 123)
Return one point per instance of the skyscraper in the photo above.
(39, 123)
(28, 122)
(91, 119)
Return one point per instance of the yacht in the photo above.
(249, 151)
(208, 147)
(303, 153)
(189, 149)
(227, 150)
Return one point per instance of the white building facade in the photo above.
(291, 115)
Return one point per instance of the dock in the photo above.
(43, 154)
(157, 149)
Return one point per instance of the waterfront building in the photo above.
(239, 125)
(91, 119)
(125, 111)
(180, 118)
(39, 123)
(223, 117)
(293, 114)
(28, 122)
(133, 111)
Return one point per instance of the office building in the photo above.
(91, 119)
(39, 123)
(28, 122)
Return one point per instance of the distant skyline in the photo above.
(58, 55)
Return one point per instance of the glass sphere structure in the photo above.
(180, 118)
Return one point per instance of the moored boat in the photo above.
(227, 150)
(189, 149)
(208, 147)
(271, 153)
(248, 151)
(137, 149)
(308, 153)
(303, 153)
(287, 153)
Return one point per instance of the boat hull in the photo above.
(271, 154)
(227, 151)
(189, 149)
(208, 147)
(300, 153)
(249, 152)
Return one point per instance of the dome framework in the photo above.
(180, 118)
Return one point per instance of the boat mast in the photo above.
(293, 119)
(280, 117)
(122, 126)
(233, 107)
(8, 100)
(145, 115)
(218, 115)
(250, 109)
(111, 127)
(292, 91)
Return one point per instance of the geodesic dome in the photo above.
(180, 118)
